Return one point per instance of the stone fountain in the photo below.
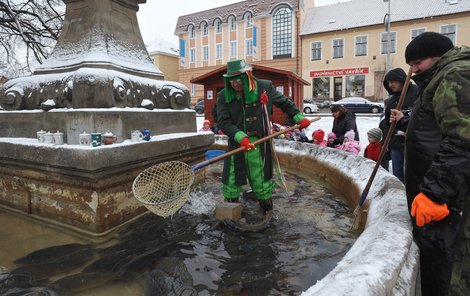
(99, 77)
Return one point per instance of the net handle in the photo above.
(240, 149)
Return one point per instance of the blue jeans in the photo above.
(398, 159)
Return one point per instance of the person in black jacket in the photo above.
(344, 121)
(437, 164)
(393, 82)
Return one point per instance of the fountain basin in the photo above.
(384, 258)
(89, 188)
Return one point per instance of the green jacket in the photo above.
(438, 137)
(237, 118)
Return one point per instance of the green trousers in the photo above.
(255, 173)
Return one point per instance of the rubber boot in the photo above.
(266, 205)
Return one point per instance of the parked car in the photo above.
(360, 105)
(324, 104)
(199, 107)
(310, 107)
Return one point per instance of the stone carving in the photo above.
(99, 61)
(114, 91)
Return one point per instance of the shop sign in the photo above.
(339, 72)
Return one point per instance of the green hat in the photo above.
(236, 67)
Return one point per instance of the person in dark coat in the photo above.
(241, 116)
(344, 121)
(437, 162)
(215, 129)
(383, 127)
(393, 82)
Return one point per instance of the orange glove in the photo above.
(425, 210)
(247, 144)
(304, 123)
(264, 98)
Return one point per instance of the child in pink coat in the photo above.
(349, 144)
(331, 140)
(206, 126)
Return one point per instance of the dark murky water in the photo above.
(189, 254)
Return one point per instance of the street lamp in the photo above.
(387, 26)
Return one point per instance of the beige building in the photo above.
(262, 32)
(342, 49)
(165, 56)
(348, 47)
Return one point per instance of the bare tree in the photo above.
(29, 29)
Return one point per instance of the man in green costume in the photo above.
(241, 117)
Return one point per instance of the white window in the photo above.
(338, 48)
(205, 53)
(193, 89)
(388, 41)
(192, 32)
(361, 46)
(449, 31)
(218, 26)
(218, 51)
(249, 47)
(232, 23)
(416, 32)
(204, 29)
(233, 49)
(282, 33)
(316, 51)
(248, 20)
(192, 55)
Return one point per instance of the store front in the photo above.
(340, 83)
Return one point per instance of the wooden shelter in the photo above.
(287, 82)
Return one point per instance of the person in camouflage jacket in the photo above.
(437, 165)
(240, 116)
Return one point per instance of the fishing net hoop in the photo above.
(164, 188)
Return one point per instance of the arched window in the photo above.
(218, 26)
(192, 32)
(248, 19)
(232, 22)
(282, 33)
(204, 29)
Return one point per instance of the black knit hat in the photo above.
(427, 45)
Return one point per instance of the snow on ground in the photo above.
(364, 123)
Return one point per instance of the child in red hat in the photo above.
(206, 126)
(318, 137)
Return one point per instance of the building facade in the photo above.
(341, 49)
(348, 47)
(165, 56)
(262, 32)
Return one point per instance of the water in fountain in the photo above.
(189, 253)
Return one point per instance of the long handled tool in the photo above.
(164, 188)
(390, 132)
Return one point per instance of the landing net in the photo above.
(164, 188)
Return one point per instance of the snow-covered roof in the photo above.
(361, 13)
(161, 45)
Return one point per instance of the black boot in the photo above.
(266, 205)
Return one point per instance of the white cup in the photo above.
(49, 138)
(136, 136)
(58, 138)
(40, 136)
(84, 139)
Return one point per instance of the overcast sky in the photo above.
(157, 18)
